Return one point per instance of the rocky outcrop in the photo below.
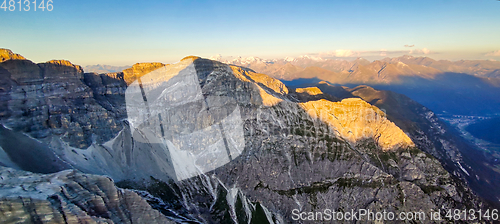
(70, 197)
(6, 54)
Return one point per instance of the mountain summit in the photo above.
(6, 54)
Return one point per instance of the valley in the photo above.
(490, 149)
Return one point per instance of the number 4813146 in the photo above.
(27, 5)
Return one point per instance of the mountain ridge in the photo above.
(480, 68)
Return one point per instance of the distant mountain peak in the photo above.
(100, 68)
(239, 60)
(407, 56)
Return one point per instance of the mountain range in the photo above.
(399, 66)
(443, 86)
(104, 68)
(111, 147)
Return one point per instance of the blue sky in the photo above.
(125, 32)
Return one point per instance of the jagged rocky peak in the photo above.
(6, 54)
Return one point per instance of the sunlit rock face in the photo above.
(6, 54)
(309, 90)
(354, 120)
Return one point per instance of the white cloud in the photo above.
(340, 53)
(344, 53)
(420, 51)
(216, 57)
(383, 52)
(494, 53)
(406, 45)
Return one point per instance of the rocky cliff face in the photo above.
(355, 120)
(274, 150)
(70, 197)
(51, 99)
(109, 91)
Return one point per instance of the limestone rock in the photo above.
(51, 99)
(355, 119)
(70, 197)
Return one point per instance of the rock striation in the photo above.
(51, 99)
(70, 197)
